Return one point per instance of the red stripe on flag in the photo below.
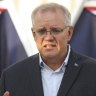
(2, 9)
(91, 8)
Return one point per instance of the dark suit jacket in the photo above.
(24, 78)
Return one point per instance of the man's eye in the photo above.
(56, 30)
(41, 31)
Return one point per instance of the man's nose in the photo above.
(49, 36)
(48, 33)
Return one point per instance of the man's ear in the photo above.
(33, 32)
(71, 29)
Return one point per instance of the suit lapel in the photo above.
(72, 71)
(36, 79)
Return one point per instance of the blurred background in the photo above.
(16, 40)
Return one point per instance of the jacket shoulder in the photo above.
(81, 58)
(28, 62)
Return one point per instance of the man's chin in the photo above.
(50, 55)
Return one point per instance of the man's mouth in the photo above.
(49, 45)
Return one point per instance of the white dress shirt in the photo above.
(51, 79)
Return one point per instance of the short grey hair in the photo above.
(52, 7)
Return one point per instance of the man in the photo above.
(56, 70)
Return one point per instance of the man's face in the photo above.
(51, 45)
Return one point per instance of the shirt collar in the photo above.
(62, 67)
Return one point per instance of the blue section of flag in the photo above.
(11, 48)
(84, 37)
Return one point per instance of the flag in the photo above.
(11, 48)
(84, 36)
